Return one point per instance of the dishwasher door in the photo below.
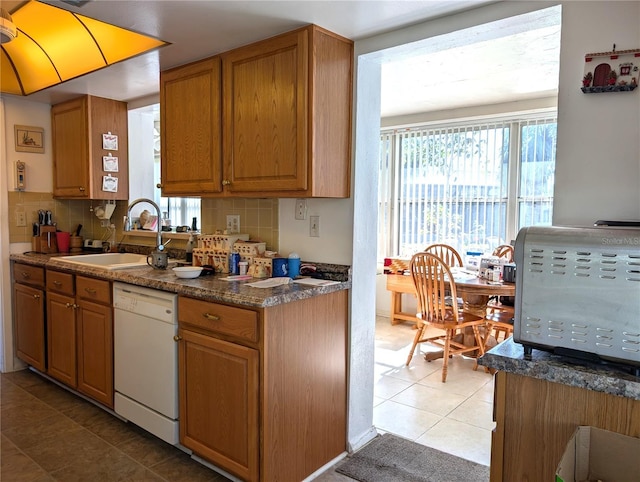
(145, 356)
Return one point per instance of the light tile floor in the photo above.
(412, 402)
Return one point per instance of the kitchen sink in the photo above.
(108, 261)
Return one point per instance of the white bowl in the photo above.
(187, 271)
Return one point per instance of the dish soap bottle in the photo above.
(189, 249)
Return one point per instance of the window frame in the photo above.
(389, 199)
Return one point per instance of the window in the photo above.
(471, 185)
(144, 168)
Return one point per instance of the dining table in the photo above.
(474, 291)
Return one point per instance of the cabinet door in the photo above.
(95, 351)
(265, 115)
(219, 386)
(191, 129)
(29, 325)
(61, 338)
(77, 129)
(69, 131)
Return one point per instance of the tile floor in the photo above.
(412, 402)
(49, 434)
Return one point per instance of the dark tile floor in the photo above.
(50, 434)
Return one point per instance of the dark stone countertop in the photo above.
(609, 378)
(210, 288)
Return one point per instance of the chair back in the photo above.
(431, 278)
(446, 253)
(504, 251)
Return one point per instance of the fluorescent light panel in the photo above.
(55, 45)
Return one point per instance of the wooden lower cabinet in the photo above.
(29, 315)
(61, 338)
(80, 334)
(95, 351)
(263, 392)
(219, 420)
(536, 418)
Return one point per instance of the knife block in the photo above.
(48, 240)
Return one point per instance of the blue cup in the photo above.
(279, 267)
(294, 267)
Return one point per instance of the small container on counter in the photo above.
(234, 263)
(243, 267)
(279, 267)
(189, 249)
(64, 240)
(293, 265)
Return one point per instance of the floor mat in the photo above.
(394, 459)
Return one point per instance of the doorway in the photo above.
(368, 284)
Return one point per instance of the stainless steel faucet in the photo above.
(127, 220)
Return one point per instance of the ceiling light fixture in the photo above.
(55, 45)
(8, 30)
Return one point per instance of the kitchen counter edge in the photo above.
(209, 288)
(613, 379)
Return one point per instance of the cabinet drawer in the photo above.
(223, 319)
(92, 289)
(26, 274)
(60, 282)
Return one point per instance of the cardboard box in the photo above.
(594, 454)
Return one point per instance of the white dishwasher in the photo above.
(146, 359)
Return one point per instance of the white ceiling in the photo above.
(511, 67)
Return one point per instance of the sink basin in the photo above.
(108, 261)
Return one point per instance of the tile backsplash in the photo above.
(258, 217)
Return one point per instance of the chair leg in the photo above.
(480, 342)
(445, 357)
(416, 340)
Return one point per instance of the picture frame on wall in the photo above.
(29, 139)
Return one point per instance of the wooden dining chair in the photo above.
(432, 280)
(446, 253)
(504, 251)
(497, 311)
(499, 323)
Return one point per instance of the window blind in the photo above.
(468, 185)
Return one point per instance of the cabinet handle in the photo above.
(81, 189)
(57, 283)
(226, 182)
(177, 338)
(91, 291)
(25, 275)
(72, 305)
(37, 297)
(209, 316)
(159, 185)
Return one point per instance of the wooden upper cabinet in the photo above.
(77, 127)
(270, 119)
(287, 116)
(190, 129)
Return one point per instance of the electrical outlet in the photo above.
(21, 218)
(314, 226)
(301, 209)
(233, 223)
